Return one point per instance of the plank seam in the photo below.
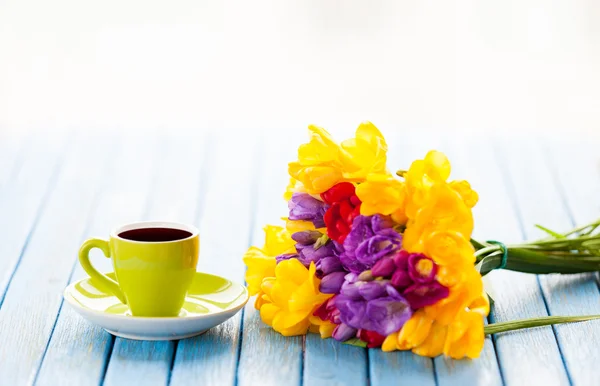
(368, 358)
(494, 344)
(172, 363)
(40, 211)
(302, 360)
(435, 374)
(109, 349)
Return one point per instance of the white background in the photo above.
(517, 67)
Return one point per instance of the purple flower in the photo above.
(332, 283)
(421, 295)
(286, 256)
(305, 207)
(421, 268)
(328, 311)
(384, 267)
(373, 306)
(370, 239)
(413, 275)
(343, 332)
(306, 237)
(326, 259)
(308, 253)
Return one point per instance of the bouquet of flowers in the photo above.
(381, 259)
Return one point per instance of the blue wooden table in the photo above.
(55, 191)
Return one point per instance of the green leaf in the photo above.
(495, 328)
(550, 232)
(356, 342)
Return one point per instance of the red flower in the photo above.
(372, 338)
(344, 206)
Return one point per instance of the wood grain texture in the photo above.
(78, 350)
(21, 201)
(34, 295)
(526, 357)
(267, 357)
(333, 363)
(212, 358)
(174, 195)
(400, 368)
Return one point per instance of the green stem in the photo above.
(524, 260)
(592, 225)
(486, 250)
(495, 328)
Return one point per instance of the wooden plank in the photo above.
(483, 370)
(21, 201)
(212, 358)
(174, 196)
(77, 352)
(573, 169)
(526, 357)
(34, 295)
(400, 367)
(268, 358)
(328, 362)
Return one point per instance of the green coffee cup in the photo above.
(154, 265)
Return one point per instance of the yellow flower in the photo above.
(465, 336)
(481, 304)
(291, 297)
(364, 154)
(261, 261)
(448, 247)
(323, 163)
(381, 194)
(319, 164)
(421, 176)
(443, 209)
(260, 265)
(424, 335)
(463, 188)
(322, 327)
(461, 296)
(433, 345)
(278, 241)
(415, 330)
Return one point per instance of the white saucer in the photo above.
(211, 300)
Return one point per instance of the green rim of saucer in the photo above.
(208, 295)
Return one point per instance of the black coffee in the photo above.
(155, 234)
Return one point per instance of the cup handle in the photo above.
(84, 259)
